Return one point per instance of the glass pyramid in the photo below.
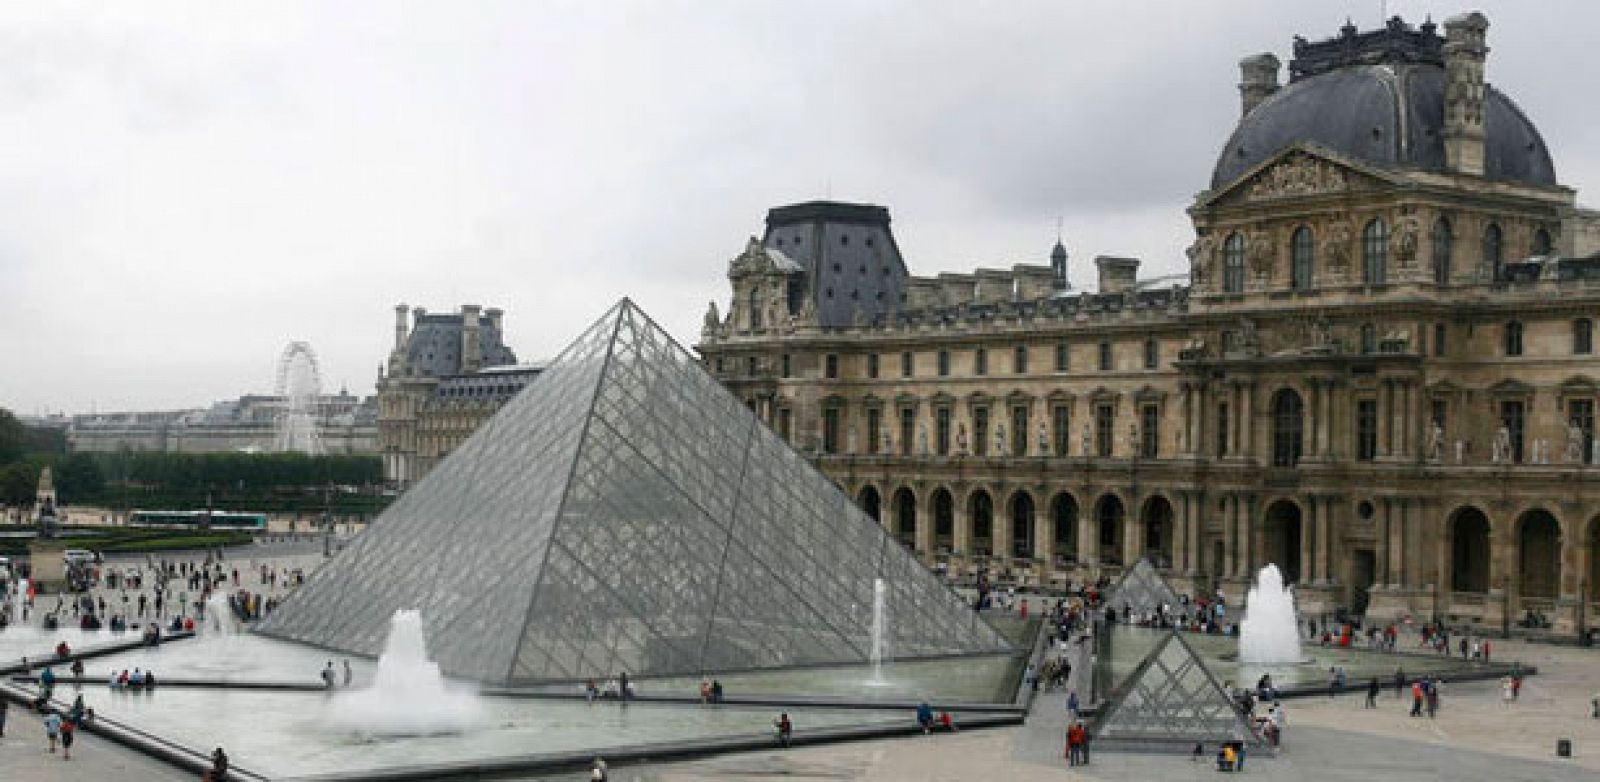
(1171, 701)
(625, 512)
(1142, 590)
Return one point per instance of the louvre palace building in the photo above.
(1379, 372)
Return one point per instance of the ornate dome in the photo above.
(1379, 98)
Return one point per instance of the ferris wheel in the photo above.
(300, 387)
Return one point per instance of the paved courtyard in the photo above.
(1476, 735)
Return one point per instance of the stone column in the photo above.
(1230, 535)
(1325, 540)
(1000, 526)
(1180, 534)
(1247, 533)
(1235, 415)
(961, 526)
(1308, 527)
(924, 528)
(1088, 539)
(1195, 519)
(1044, 540)
(1132, 535)
(1247, 421)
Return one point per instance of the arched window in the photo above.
(1442, 241)
(1541, 242)
(1582, 336)
(1493, 250)
(1513, 338)
(1301, 258)
(1288, 427)
(755, 309)
(1233, 264)
(1375, 252)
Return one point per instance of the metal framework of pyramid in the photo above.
(1142, 589)
(625, 512)
(1170, 703)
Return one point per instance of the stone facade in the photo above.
(1380, 375)
(447, 374)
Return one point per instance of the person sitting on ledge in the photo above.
(925, 717)
(63, 651)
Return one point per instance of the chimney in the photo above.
(471, 347)
(495, 315)
(417, 314)
(400, 313)
(1258, 78)
(1464, 54)
(1117, 275)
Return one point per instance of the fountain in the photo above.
(879, 627)
(219, 615)
(408, 696)
(1270, 632)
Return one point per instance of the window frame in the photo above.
(1302, 258)
(1375, 252)
(1233, 249)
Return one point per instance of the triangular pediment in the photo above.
(1299, 171)
(626, 512)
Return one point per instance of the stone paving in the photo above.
(24, 755)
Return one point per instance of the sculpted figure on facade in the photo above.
(888, 444)
(1000, 440)
(1502, 445)
(1574, 451)
(922, 440)
(712, 322)
(1044, 441)
(1088, 441)
(1435, 442)
(1407, 235)
(1202, 254)
(1300, 175)
(1260, 252)
(1133, 440)
(1336, 247)
(850, 439)
(961, 439)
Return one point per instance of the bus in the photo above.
(197, 519)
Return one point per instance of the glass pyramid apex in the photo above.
(625, 512)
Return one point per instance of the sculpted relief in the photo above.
(1201, 254)
(1336, 246)
(1298, 176)
(1259, 253)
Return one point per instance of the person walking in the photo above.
(68, 729)
(1416, 698)
(52, 729)
(1072, 705)
(349, 675)
(785, 729)
(1399, 681)
(4, 705)
(328, 676)
(597, 772)
(1372, 693)
(1433, 698)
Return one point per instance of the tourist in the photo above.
(1399, 681)
(1516, 684)
(1074, 743)
(1432, 692)
(68, 728)
(1226, 758)
(1372, 693)
(77, 673)
(63, 651)
(47, 678)
(590, 691)
(785, 729)
(4, 705)
(349, 675)
(947, 722)
(52, 729)
(1505, 690)
(219, 766)
(925, 717)
(1486, 651)
(716, 691)
(1594, 711)
(328, 676)
(597, 772)
(1416, 698)
(1072, 705)
(705, 691)
(622, 686)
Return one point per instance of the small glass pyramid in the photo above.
(625, 512)
(1171, 701)
(1142, 590)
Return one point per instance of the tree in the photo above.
(13, 438)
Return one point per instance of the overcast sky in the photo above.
(185, 188)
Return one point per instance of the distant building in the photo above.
(348, 425)
(447, 374)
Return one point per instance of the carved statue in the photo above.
(1299, 175)
(1336, 246)
(1044, 441)
(1321, 332)
(961, 439)
(1000, 440)
(1406, 235)
(1502, 445)
(1088, 441)
(1460, 450)
(850, 439)
(808, 311)
(713, 321)
(922, 440)
(888, 444)
(1574, 453)
(1261, 251)
(1201, 255)
(1540, 454)
(1435, 442)
(1133, 440)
